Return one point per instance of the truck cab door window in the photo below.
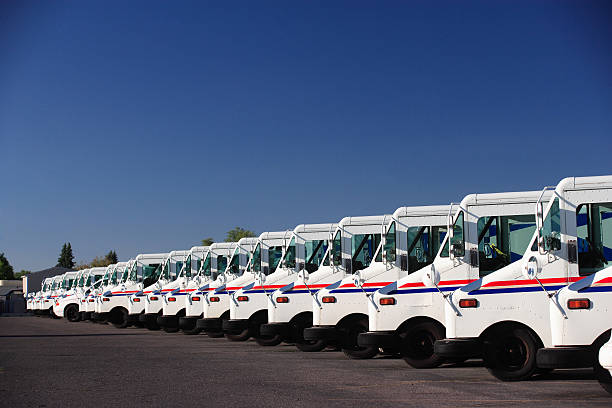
(390, 247)
(594, 237)
(274, 256)
(315, 252)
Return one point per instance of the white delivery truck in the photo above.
(411, 239)
(116, 299)
(87, 300)
(38, 297)
(489, 232)
(173, 302)
(213, 265)
(67, 305)
(248, 306)
(66, 288)
(353, 242)
(49, 298)
(305, 252)
(216, 293)
(112, 278)
(505, 316)
(166, 282)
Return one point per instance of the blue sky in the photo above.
(147, 126)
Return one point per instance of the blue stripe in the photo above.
(369, 289)
(514, 290)
(423, 290)
(597, 289)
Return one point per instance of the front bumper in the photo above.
(565, 357)
(459, 348)
(148, 318)
(210, 324)
(272, 329)
(187, 322)
(378, 339)
(170, 321)
(235, 326)
(328, 333)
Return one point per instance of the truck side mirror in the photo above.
(431, 277)
(539, 226)
(531, 269)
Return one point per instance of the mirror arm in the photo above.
(550, 297)
(446, 297)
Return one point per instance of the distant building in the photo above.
(32, 282)
(11, 297)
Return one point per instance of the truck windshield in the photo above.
(221, 266)
(165, 272)
(503, 240)
(115, 276)
(255, 264)
(315, 253)
(423, 245)
(150, 274)
(186, 270)
(234, 263)
(274, 256)
(594, 237)
(336, 249)
(390, 248)
(125, 274)
(289, 258)
(133, 273)
(206, 269)
(363, 247)
(174, 272)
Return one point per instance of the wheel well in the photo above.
(224, 315)
(116, 309)
(351, 318)
(263, 313)
(510, 324)
(300, 316)
(601, 339)
(419, 319)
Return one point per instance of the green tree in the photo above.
(111, 257)
(6, 270)
(237, 233)
(22, 273)
(66, 259)
(207, 241)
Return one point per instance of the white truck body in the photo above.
(173, 302)
(490, 231)
(411, 239)
(213, 265)
(166, 283)
(111, 278)
(88, 298)
(69, 299)
(217, 292)
(506, 315)
(352, 244)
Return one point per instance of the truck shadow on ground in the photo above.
(71, 335)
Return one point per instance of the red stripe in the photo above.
(442, 283)
(321, 285)
(518, 282)
(366, 284)
(604, 280)
(268, 287)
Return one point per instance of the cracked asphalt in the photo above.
(53, 363)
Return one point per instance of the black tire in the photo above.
(71, 313)
(297, 335)
(349, 333)
(417, 344)
(510, 353)
(268, 341)
(243, 336)
(120, 318)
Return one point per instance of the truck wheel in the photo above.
(311, 346)
(192, 331)
(151, 326)
(417, 344)
(510, 353)
(120, 318)
(350, 331)
(71, 313)
(214, 334)
(269, 340)
(243, 336)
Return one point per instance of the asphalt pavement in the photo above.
(55, 363)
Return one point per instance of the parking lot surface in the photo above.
(52, 363)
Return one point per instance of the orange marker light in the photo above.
(195, 298)
(578, 304)
(387, 301)
(243, 298)
(329, 299)
(171, 299)
(466, 303)
(215, 299)
(282, 299)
